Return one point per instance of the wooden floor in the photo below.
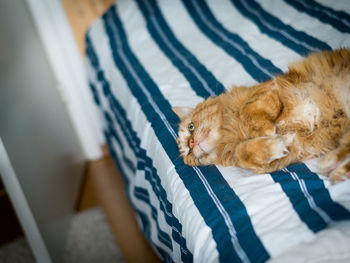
(81, 14)
(104, 185)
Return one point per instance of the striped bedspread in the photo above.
(145, 56)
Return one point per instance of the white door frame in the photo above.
(68, 68)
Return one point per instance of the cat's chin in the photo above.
(203, 148)
(199, 152)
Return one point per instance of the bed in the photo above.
(145, 56)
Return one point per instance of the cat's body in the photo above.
(302, 114)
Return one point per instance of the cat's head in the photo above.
(199, 132)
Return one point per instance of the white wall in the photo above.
(44, 172)
(68, 68)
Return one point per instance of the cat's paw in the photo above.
(336, 165)
(275, 149)
(264, 150)
(191, 160)
(261, 154)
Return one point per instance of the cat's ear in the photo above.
(182, 111)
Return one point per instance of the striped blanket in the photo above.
(145, 56)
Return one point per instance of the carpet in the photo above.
(89, 240)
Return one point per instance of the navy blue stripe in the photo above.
(147, 108)
(319, 192)
(338, 19)
(252, 10)
(109, 140)
(115, 156)
(143, 195)
(113, 133)
(124, 58)
(162, 236)
(145, 164)
(143, 160)
(95, 94)
(143, 218)
(105, 87)
(292, 188)
(316, 188)
(325, 190)
(147, 231)
(195, 72)
(240, 50)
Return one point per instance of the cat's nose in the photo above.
(191, 143)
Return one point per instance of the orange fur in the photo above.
(296, 116)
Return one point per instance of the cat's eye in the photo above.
(191, 127)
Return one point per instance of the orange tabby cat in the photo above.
(302, 114)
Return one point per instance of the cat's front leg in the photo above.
(264, 154)
(191, 160)
(336, 164)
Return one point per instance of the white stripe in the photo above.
(340, 193)
(226, 69)
(141, 195)
(139, 81)
(303, 22)
(90, 73)
(123, 124)
(228, 40)
(309, 198)
(211, 193)
(279, 30)
(154, 199)
(132, 178)
(339, 5)
(197, 234)
(172, 84)
(242, 255)
(227, 15)
(146, 209)
(269, 208)
(178, 54)
(103, 123)
(330, 14)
